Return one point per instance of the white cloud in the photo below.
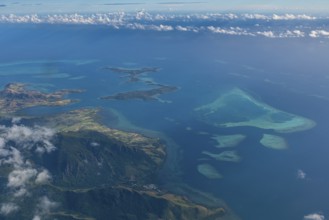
(19, 178)
(281, 24)
(19, 133)
(319, 33)
(269, 34)
(298, 33)
(43, 177)
(2, 142)
(181, 28)
(25, 137)
(148, 27)
(20, 192)
(16, 120)
(15, 141)
(94, 144)
(44, 207)
(314, 216)
(292, 17)
(162, 27)
(301, 174)
(46, 204)
(256, 16)
(232, 16)
(36, 217)
(8, 208)
(228, 31)
(11, 156)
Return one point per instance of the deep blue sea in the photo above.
(290, 74)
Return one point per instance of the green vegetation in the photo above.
(16, 96)
(100, 173)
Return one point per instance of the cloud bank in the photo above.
(270, 26)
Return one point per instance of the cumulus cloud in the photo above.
(292, 17)
(269, 34)
(11, 156)
(314, 216)
(256, 16)
(20, 177)
(2, 142)
(8, 208)
(43, 177)
(16, 120)
(319, 33)
(25, 137)
(16, 142)
(20, 192)
(138, 26)
(301, 174)
(44, 207)
(121, 17)
(229, 31)
(181, 28)
(36, 217)
(296, 33)
(281, 26)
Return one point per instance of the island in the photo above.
(145, 95)
(133, 75)
(17, 96)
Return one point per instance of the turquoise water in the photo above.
(287, 74)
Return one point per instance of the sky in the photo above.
(64, 6)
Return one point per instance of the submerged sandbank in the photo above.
(274, 142)
(237, 108)
(209, 171)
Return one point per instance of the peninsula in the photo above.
(17, 96)
(103, 173)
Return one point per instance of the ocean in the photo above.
(289, 74)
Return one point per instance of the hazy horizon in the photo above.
(101, 6)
